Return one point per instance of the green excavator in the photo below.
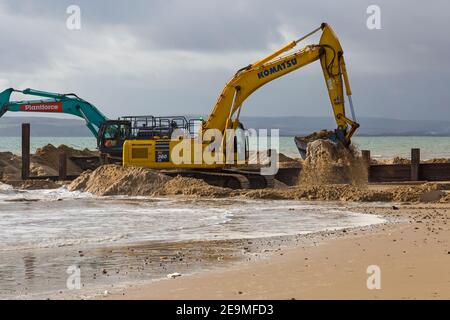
(110, 134)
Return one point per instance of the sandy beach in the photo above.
(413, 255)
(128, 228)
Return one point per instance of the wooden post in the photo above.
(25, 151)
(415, 164)
(62, 166)
(367, 160)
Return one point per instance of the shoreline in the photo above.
(413, 257)
(136, 262)
(411, 247)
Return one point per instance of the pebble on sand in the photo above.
(174, 275)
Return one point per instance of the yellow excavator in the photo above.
(154, 145)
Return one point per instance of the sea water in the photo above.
(380, 147)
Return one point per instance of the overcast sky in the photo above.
(174, 57)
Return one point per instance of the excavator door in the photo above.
(112, 135)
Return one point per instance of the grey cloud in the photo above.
(400, 71)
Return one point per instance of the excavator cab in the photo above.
(111, 136)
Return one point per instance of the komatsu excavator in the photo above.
(156, 151)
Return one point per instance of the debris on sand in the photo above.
(192, 187)
(332, 163)
(111, 180)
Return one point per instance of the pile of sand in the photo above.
(192, 187)
(110, 180)
(10, 165)
(400, 160)
(332, 163)
(437, 160)
(395, 160)
(429, 192)
(321, 193)
(45, 162)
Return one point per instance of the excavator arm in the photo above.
(54, 103)
(226, 111)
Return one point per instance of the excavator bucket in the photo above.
(303, 142)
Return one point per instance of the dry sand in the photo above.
(112, 179)
(413, 257)
(192, 187)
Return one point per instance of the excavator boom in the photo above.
(54, 103)
(225, 113)
(110, 134)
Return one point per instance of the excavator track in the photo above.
(216, 178)
(257, 180)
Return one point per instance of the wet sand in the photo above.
(414, 257)
(119, 241)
